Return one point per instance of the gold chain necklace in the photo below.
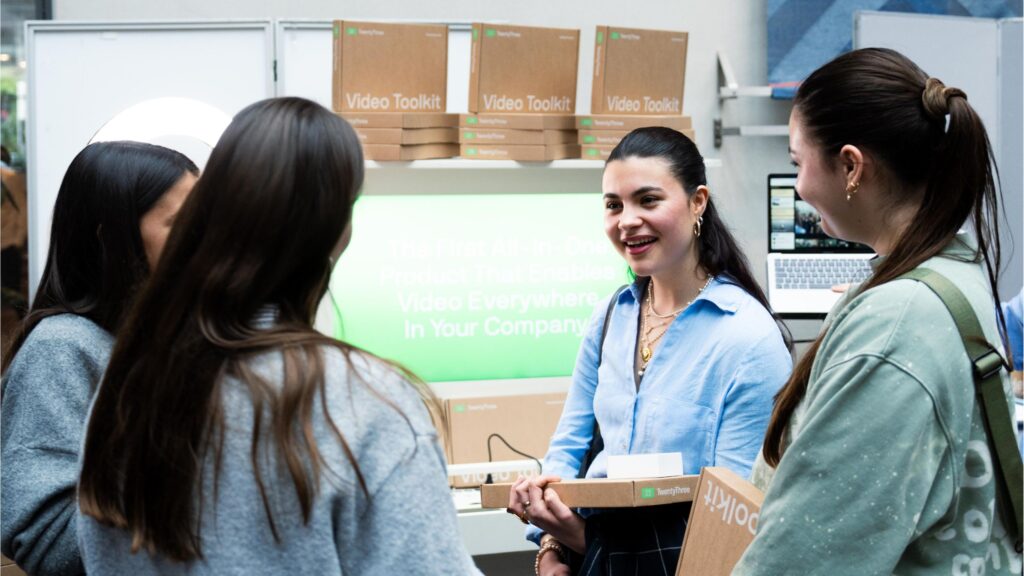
(646, 342)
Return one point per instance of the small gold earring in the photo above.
(696, 226)
(852, 189)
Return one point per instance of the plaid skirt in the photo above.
(645, 540)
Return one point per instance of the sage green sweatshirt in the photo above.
(887, 468)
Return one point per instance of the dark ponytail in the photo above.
(880, 101)
(717, 251)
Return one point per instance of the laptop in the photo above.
(804, 263)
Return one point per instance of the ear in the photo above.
(851, 160)
(699, 200)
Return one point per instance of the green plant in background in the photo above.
(9, 133)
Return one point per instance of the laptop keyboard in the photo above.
(818, 273)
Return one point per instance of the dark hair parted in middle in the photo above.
(717, 251)
(96, 261)
(257, 232)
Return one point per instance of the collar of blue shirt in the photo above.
(723, 294)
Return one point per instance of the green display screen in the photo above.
(475, 287)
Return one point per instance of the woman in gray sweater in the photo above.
(112, 215)
(228, 436)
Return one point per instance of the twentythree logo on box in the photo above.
(648, 492)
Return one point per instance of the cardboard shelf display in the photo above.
(408, 136)
(605, 493)
(638, 71)
(521, 153)
(398, 136)
(625, 123)
(599, 134)
(502, 136)
(596, 145)
(363, 120)
(401, 152)
(523, 69)
(382, 67)
(518, 121)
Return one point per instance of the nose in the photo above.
(629, 219)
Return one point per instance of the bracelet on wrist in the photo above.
(550, 545)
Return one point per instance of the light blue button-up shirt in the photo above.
(707, 391)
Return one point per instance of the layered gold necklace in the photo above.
(648, 326)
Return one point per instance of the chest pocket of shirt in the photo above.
(675, 425)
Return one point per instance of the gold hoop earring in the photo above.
(851, 190)
(697, 225)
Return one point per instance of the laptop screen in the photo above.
(794, 226)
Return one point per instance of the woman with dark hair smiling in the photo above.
(686, 359)
(113, 212)
(229, 436)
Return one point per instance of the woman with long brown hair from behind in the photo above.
(228, 436)
(876, 459)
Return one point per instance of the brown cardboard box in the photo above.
(362, 120)
(600, 137)
(598, 144)
(408, 135)
(526, 422)
(518, 121)
(522, 69)
(638, 71)
(389, 67)
(627, 123)
(604, 492)
(396, 152)
(723, 521)
(522, 153)
(591, 152)
(9, 568)
(499, 136)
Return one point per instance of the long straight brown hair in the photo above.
(256, 232)
(880, 101)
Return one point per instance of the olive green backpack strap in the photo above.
(989, 389)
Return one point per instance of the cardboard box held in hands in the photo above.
(523, 70)
(638, 71)
(389, 67)
(605, 492)
(723, 521)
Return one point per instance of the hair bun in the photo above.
(936, 97)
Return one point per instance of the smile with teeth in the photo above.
(639, 242)
(638, 245)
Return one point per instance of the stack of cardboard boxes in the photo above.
(639, 76)
(522, 94)
(390, 83)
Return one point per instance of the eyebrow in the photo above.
(637, 192)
